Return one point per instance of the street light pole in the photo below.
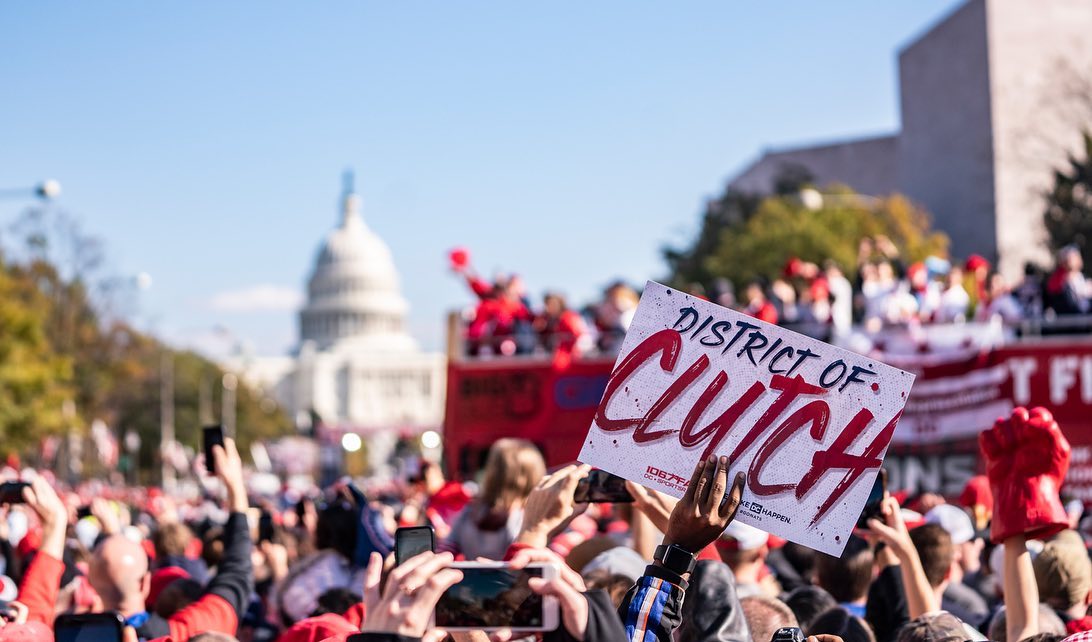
(46, 190)
(166, 419)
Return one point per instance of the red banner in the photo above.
(934, 448)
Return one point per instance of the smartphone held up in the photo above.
(211, 436)
(493, 596)
(11, 492)
(602, 487)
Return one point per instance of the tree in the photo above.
(34, 380)
(1068, 216)
(781, 227)
(60, 344)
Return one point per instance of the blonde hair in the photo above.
(512, 469)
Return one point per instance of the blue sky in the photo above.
(567, 141)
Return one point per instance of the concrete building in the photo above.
(356, 367)
(992, 99)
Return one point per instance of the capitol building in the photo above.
(355, 368)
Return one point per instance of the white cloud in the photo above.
(257, 298)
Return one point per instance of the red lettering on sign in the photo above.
(816, 414)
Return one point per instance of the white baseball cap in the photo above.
(747, 538)
(954, 520)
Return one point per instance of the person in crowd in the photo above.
(489, 524)
(936, 549)
(954, 300)
(1049, 623)
(998, 302)
(958, 596)
(847, 578)
(765, 615)
(924, 290)
(560, 329)
(119, 572)
(841, 295)
(1063, 575)
(1067, 290)
(712, 609)
(346, 525)
(614, 314)
(744, 549)
(173, 542)
(758, 306)
(842, 623)
(807, 603)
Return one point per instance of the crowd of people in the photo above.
(820, 300)
(1007, 560)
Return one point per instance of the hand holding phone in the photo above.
(410, 595)
(602, 487)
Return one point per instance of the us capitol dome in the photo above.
(356, 368)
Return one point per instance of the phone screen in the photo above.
(213, 436)
(99, 627)
(409, 542)
(12, 492)
(875, 498)
(492, 598)
(602, 487)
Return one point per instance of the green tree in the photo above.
(783, 228)
(1068, 216)
(34, 380)
(60, 342)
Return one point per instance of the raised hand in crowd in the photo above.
(1027, 457)
(551, 507)
(51, 511)
(103, 511)
(920, 597)
(410, 596)
(655, 505)
(568, 587)
(229, 470)
(704, 510)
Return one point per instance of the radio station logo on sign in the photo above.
(808, 423)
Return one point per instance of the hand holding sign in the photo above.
(704, 511)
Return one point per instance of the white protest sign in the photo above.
(808, 423)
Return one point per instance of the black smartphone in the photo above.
(602, 487)
(212, 436)
(12, 492)
(788, 634)
(872, 508)
(265, 527)
(89, 627)
(83, 511)
(412, 541)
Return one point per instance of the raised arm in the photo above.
(222, 606)
(920, 598)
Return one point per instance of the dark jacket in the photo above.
(711, 611)
(225, 599)
(887, 609)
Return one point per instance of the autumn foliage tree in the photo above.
(761, 238)
(62, 344)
